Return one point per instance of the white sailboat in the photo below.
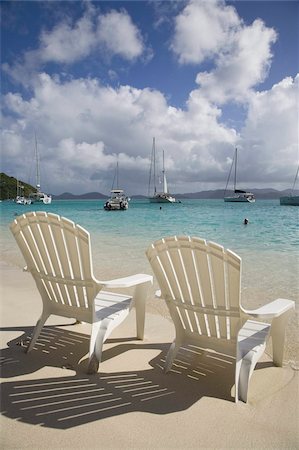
(118, 200)
(291, 199)
(239, 195)
(39, 196)
(20, 198)
(158, 197)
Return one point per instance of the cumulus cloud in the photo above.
(98, 125)
(202, 29)
(270, 133)
(67, 43)
(241, 53)
(245, 66)
(119, 35)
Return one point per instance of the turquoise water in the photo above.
(268, 245)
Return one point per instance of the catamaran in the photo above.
(239, 195)
(118, 200)
(291, 199)
(158, 197)
(39, 196)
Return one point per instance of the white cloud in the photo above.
(119, 35)
(81, 140)
(241, 54)
(67, 43)
(101, 35)
(270, 134)
(203, 29)
(245, 66)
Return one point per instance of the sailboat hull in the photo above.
(162, 198)
(292, 200)
(40, 197)
(240, 199)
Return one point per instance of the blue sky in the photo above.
(97, 80)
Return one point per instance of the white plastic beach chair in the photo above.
(200, 282)
(58, 255)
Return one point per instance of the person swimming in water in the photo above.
(245, 221)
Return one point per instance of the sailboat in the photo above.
(291, 199)
(39, 196)
(20, 198)
(239, 195)
(158, 197)
(118, 200)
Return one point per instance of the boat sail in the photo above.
(118, 200)
(39, 196)
(239, 195)
(291, 199)
(158, 197)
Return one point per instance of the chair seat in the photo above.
(252, 335)
(111, 304)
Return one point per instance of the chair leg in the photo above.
(36, 332)
(140, 297)
(172, 352)
(244, 368)
(278, 328)
(97, 339)
(237, 374)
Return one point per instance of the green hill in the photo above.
(8, 187)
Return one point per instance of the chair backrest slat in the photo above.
(200, 282)
(53, 238)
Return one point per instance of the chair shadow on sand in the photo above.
(67, 401)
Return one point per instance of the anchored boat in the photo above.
(158, 197)
(239, 195)
(291, 199)
(39, 196)
(118, 200)
(20, 198)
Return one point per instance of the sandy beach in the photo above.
(48, 401)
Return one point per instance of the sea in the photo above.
(268, 244)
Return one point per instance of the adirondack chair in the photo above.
(58, 256)
(200, 282)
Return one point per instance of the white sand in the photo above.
(48, 401)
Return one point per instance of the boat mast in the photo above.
(117, 186)
(165, 189)
(150, 173)
(115, 178)
(228, 178)
(236, 160)
(37, 166)
(293, 188)
(154, 156)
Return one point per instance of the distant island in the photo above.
(8, 190)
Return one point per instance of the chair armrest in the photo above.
(272, 309)
(127, 282)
